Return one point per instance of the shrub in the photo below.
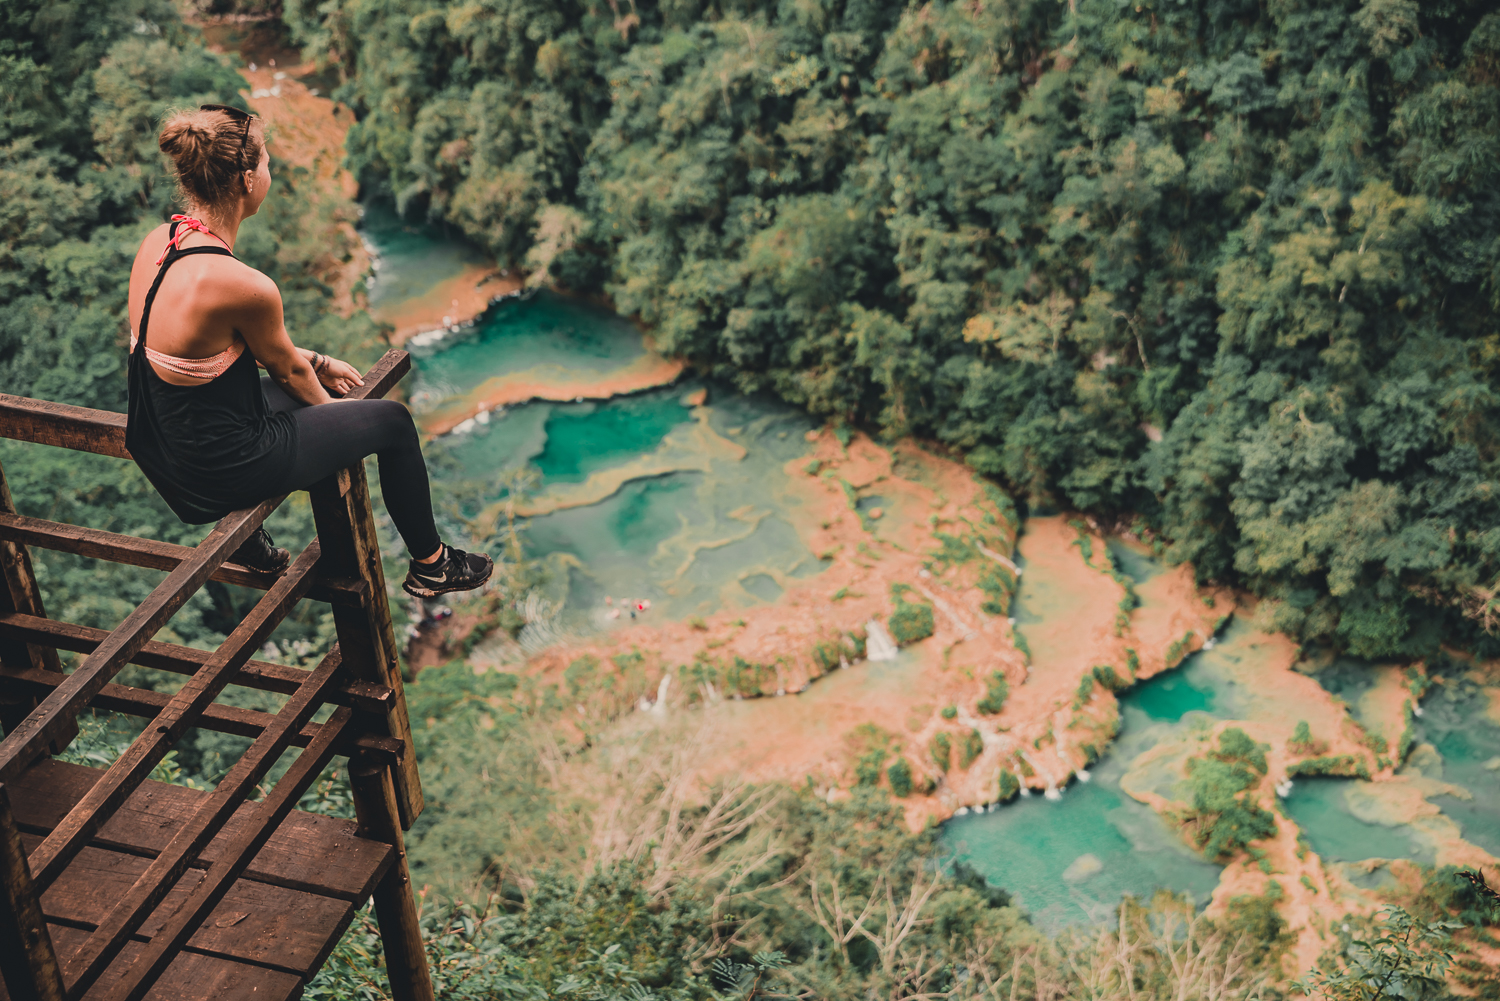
(971, 748)
(998, 690)
(949, 712)
(1225, 813)
(1009, 786)
(1085, 691)
(1302, 740)
(941, 749)
(911, 621)
(1106, 676)
(900, 776)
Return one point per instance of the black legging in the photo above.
(333, 436)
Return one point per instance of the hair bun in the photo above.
(209, 150)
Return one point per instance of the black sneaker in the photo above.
(455, 570)
(259, 552)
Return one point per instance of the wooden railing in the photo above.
(123, 938)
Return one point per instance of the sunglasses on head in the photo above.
(236, 114)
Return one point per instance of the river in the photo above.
(653, 493)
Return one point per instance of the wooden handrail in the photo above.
(134, 551)
(82, 429)
(262, 675)
(102, 432)
(361, 675)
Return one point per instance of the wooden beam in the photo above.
(221, 876)
(103, 431)
(180, 713)
(128, 549)
(55, 715)
(395, 907)
(262, 675)
(84, 967)
(218, 718)
(79, 428)
(28, 963)
(346, 527)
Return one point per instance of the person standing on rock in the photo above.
(210, 433)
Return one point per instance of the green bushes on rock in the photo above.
(1224, 817)
(997, 690)
(900, 776)
(971, 748)
(911, 621)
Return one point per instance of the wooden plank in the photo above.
(400, 922)
(153, 555)
(216, 717)
(180, 713)
(221, 877)
(346, 525)
(322, 855)
(82, 968)
(79, 428)
(194, 976)
(57, 712)
(263, 675)
(347, 528)
(28, 964)
(255, 922)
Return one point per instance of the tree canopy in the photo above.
(1229, 266)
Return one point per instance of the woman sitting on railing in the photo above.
(209, 432)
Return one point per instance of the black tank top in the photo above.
(208, 449)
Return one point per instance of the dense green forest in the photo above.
(1224, 266)
(1228, 266)
(82, 90)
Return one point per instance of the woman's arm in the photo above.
(338, 376)
(256, 313)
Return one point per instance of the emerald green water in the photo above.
(589, 437)
(647, 496)
(1321, 809)
(547, 339)
(641, 497)
(409, 259)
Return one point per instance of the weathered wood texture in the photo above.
(259, 674)
(195, 976)
(217, 718)
(147, 890)
(30, 736)
(28, 962)
(101, 545)
(79, 428)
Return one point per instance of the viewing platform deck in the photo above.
(119, 887)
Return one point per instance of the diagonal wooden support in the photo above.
(56, 714)
(169, 940)
(147, 750)
(84, 967)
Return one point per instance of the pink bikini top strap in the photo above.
(186, 224)
(198, 368)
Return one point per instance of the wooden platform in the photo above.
(117, 888)
(264, 940)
